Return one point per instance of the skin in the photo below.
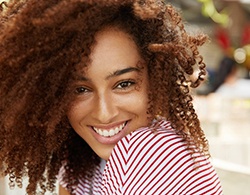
(111, 94)
(50, 41)
(62, 191)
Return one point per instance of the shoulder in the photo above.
(155, 160)
(151, 141)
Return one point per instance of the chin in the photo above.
(104, 154)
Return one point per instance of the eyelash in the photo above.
(128, 84)
(119, 86)
(80, 90)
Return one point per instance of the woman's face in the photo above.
(111, 96)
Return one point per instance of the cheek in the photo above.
(143, 96)
(72, 117)
(76, 116)
(72, 111)
(76, 113)
(137, 103)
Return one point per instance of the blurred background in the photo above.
(223, 100)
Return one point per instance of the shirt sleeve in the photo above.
(85, 186)
(60, 180)
(158, 162)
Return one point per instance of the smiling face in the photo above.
(111, 96)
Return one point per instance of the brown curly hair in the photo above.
(43, 43)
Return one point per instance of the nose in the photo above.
(105, 110)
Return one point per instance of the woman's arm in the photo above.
(63, 191)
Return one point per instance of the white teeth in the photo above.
(105, 133)
(109, 132)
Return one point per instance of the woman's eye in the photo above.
(125, 84)
(80, 90)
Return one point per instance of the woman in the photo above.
(98, 91)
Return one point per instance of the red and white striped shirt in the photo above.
(153, 161)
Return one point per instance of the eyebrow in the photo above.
(113, 74)
(123, 71)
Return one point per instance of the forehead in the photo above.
(114, 48)
(114, 40)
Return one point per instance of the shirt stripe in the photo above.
(153, 160)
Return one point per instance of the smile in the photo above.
(109, 132)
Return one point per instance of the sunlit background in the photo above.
(225, 114)
(225, 117)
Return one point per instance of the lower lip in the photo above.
(113, 139)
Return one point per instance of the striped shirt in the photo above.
(153, 160)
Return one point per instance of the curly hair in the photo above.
(42, 45)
